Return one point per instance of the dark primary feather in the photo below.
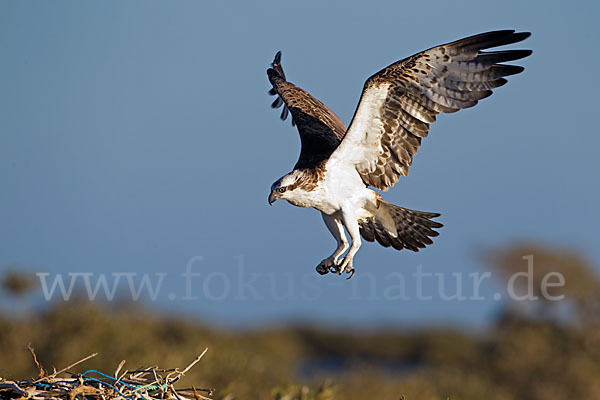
(276, 66)
(445, 79)
(320, 129)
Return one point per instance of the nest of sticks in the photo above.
(151, 383)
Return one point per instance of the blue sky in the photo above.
(135, 136)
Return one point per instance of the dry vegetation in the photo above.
(147, 383)
(527, 355)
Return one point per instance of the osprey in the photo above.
(336, 166)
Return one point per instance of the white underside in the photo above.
(341, 189)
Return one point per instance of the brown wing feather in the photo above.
(321, 131)
(445, 79)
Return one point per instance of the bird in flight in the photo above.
(337, 165)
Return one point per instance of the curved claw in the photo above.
(346, 266)
(351, 272)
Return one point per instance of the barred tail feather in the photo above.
(413, 228)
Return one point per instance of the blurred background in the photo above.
(137, 149)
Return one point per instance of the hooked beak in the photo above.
(273, 197)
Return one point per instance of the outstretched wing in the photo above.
(399, 102)
(321, 131)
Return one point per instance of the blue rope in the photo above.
(135, 388)
(45, 385)
(93, 371)
(112, 387)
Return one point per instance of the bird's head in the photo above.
(284, 187)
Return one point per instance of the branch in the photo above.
(69, 367)
(180, 374)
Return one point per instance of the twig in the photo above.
(15, 387)
(210, 391)
(150, 370)
(138, 373)
(180, 374)
(199, 396)
(162, 391)
(174, 392)
(42, 373)
(70, 366)
(119, 368)
(120, 378)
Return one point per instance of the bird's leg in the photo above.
(351, 224)
(335, 226)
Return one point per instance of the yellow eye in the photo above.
(281, 190)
